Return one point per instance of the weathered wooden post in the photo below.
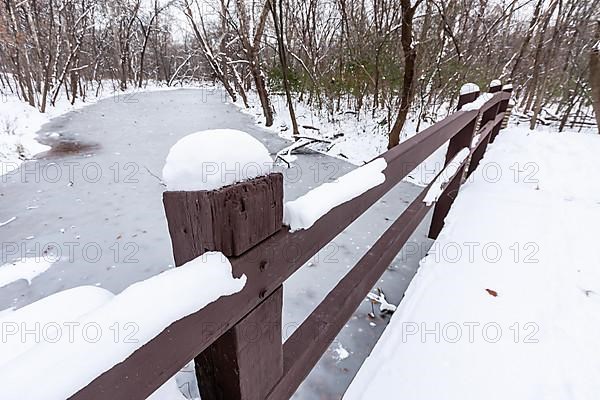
(508, 89)
(247, 361)
(495, 86)
(502, 108)
(488, 115)
(462, 139)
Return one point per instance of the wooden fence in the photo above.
(236, 341)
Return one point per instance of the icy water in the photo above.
(93, 202)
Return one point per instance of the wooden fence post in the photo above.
(495, 86)
(461, 140)
(489, 115)
(247, 361)
(502, 108)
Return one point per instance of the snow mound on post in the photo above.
(212, 159)
(98, 340)
(469, 88)
(303, 212)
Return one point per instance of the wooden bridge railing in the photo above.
(236, 341)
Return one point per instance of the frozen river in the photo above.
(93, 203)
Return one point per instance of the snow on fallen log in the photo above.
(477, 104)
(303, 212)
(438, 186)
(56, 368)
(212, 159)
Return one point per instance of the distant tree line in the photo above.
(391, 57)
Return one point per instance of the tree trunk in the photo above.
(278, 24)
(410, 57)
(595, 75)
(263, 95)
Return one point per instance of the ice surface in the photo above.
(303, 212)
(213, 159)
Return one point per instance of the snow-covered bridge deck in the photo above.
(507, 303)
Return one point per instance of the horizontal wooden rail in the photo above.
(270, 263)
(307, 344)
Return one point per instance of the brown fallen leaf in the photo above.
(492, 292)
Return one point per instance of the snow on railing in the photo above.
(303, 212)
(102, 330)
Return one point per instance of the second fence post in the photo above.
(469, 93)
(488, 115)
(502, 108)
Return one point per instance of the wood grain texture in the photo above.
(247, 361)
(233, 219)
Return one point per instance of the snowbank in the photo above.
(18, 124)
(213, 159)
(505, 305)
(168, 391)
(111, 332)
(303, 212)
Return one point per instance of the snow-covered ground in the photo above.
(354, 137)
(506, 305)
(18, 124)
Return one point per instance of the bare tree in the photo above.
(595, 74)
(410, 58)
